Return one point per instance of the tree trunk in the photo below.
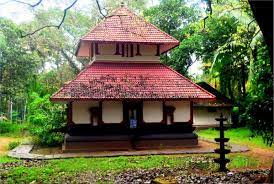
(263, 13)
(24, 111)
(76, 70)
(243, 80)
(230, 91)
(10, 108)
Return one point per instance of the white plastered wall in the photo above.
(204, 118)
(152, 111)
(147, 50)
(107, 49)
(112, 111)
(182, 111)
(80, 111)
(85, 49)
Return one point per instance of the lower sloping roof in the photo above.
(221, 99)
(125, 80)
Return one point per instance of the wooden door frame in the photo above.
(139, 108)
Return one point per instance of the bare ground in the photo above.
(4, 142)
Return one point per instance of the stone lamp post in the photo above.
(222, 161)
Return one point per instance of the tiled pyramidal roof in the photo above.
(117, 80)
(126, 27)
(120, 80)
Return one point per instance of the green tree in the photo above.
(57, 46)
(17, 66)
(230, 45)
(172, 17)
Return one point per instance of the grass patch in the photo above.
(242, 161)
(240, 136)
(6, 159)
(13, 145)
(13, 129)
(132, 162)
(106, 165)
(52, 170)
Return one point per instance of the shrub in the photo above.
(11, 127)
(47, 120)
(13, 145)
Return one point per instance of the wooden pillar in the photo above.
(125, 113)
(97, 49)
(69, 114)
(158, 50)
(90, 52)
(191, 112)
(164, 112)
(140, 112)
(117, 49)
(100, 120)
(123, 50)
(138, 50)
(131, 50)
(127, 50)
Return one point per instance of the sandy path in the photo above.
(4, 142)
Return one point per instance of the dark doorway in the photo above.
(133, 113)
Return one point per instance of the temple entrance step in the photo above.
(166, 144)
(126, 142)
(96, 146)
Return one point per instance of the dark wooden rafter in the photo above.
(125, 113)
(123, 50)
(117, 52)
(101, 112)
(138, 50)
(140, 112)
(157, 50)
(69, 114)
(163, 111)
(131, 50)
(127, 50)
(90, 52)
(96, 49)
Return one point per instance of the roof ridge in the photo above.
(188, 80)
(101, 21)
(147, 22)
(130, 14)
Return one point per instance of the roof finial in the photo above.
(122, 4)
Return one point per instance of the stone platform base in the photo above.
(128, 142)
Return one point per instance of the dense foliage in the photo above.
(47, 120)
(228, 44)
(233, 54)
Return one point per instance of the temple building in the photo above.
(125, 98)
(204, 113)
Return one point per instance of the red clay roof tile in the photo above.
(120, 80)
(125, 26)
